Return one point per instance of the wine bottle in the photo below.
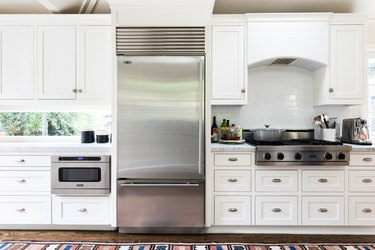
(214, 131)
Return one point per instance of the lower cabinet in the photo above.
(362, 211)
(232, 210)
(25, 210)
(80, 210)
(276, 210)
(321, 210)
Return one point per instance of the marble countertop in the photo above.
(49, 148)
(362, 148)
(218, 147)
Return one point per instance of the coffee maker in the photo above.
(355, 131)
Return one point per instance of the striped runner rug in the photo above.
(35, 245)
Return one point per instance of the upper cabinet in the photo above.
(56, 62)
(17, 62)
(228, 62)
(94, 62)
(55, 57)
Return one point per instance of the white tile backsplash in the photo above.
(281, 96)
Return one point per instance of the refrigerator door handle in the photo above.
(159, 185)
(201, 117)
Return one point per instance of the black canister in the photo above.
(87, 136)
(102, 136)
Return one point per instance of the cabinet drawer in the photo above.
(361, 181)
(232, 180)
(25, 210)
(232, 210)
(362, 211)
(323, 210)
(285, 181)
(323, 181)
(80, 210)
(24, 181)
(232, 159)
(362, 160)
(276, 210)
(25, 161)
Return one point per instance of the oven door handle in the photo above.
(159, 185)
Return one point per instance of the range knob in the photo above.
(298, 156)
(341, 156)
(267, 156)
(280, 156)
(328, 156)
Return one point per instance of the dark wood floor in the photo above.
(107, 236)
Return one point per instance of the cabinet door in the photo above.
(56, 62)
(16, 62)
(228, 65)
(347, 62)
(94, 62)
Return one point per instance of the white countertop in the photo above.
(362, 148)
(218, 147)
(49, 148)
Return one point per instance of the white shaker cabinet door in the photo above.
(16, 62)
(56, 62)
(94, 62)
(347, 63)
(228, 65)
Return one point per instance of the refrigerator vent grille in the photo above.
(160, 40)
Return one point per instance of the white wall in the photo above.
(281, 96)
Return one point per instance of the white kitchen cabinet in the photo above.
(276, 210)
(361, 181)
(323, 180)
(362, 211)
(347, 63)
(94, 63)
(320, 210)
(80, 210)
(232, 180)
(228, 65)
(23, 182)
(227, 159)
(17, 62)
(232, 210)
(276, 181)
(56, 62)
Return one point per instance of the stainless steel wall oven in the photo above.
(80, 174)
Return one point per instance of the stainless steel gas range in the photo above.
(300, 152)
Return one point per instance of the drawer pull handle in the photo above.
(323, 210)
(367, 210)
(366, 180)
(82, 210)
(233, 159)
(21, 210)
(21, 181)
(232, 210)
(232, 180)
(276, 210)
(367, 159)
(276, 180)
(20, 160)
(322, 180)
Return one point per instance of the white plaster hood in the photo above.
(300, 62)
(162, 13)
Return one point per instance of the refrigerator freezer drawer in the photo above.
(159, 206)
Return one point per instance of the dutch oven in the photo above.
(268, 134)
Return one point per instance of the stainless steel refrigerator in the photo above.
(161, 144)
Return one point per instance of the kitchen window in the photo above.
(371, 91)
(32, 124)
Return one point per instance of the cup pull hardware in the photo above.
(330, 90)
(366, 180)
(21, 181)
(21, 210)
(367, 210)
(323, 210)
(232, 159)
(74, 90)
(79, 91)
(276, 180)
(20, 160)
(82, 210)
(243, 90)
(232, 210)
(367, 159)
(232, 180)
(276, 210)
(323, 180)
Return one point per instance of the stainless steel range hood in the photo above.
(300, 62)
